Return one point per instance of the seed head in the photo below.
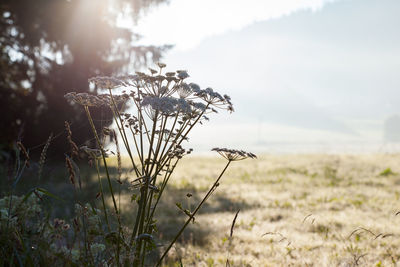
(182, 74)
(153, 71)
(74, 147)
(24, 152)
(162, 104)
(84, 99)
(70, 169)
(212, 97)
(105, 82)
(105, 99)
(184, 90)
(170, 74)
(234, 154)
(161, 65)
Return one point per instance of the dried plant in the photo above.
(43, 154)
(166, 109)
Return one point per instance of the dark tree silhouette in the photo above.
(51, 47)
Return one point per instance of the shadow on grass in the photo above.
(170, 218)
(55, 179)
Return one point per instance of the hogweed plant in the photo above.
(165, 110)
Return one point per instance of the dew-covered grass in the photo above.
(295, 210)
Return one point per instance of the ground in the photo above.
(295, 210)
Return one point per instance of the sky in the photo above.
(303, 75)
(185, 23)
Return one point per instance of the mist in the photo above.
(316, 79)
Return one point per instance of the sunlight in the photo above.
(200, 133)
(186, 23)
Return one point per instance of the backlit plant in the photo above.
(165, 110)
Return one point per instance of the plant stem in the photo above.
(102, 195)
(191, 217)
(122, 131)
(107, 172)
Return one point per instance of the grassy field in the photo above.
(297, 210)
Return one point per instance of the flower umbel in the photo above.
(84, 99)
(106, 82)
(234, 154)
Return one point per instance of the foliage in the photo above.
(48, 47)
(387, 172)
(34, 239)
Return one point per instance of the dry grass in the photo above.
(297, 210)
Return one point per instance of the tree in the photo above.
(51, 47)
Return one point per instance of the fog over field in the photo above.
(313, 76)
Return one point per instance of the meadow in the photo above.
(158, 205)
(295, 210)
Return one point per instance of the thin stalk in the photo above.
(137, 221)
(153, 132)
(141, 156)
(193, 214)
(163, 160)
(102, 196)
(160, 136)
(119, 186)
(135, 228)
(136, 145)
(142, 123)
(103, 156)
(122, 131)
(140, 115)
(106, 168)
(144, 192)
(187, 132)
(163, 185)
(141, 216)
(170, 134)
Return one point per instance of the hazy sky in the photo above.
(298, 71)
(186, 23)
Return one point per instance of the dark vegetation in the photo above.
(49, 48)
